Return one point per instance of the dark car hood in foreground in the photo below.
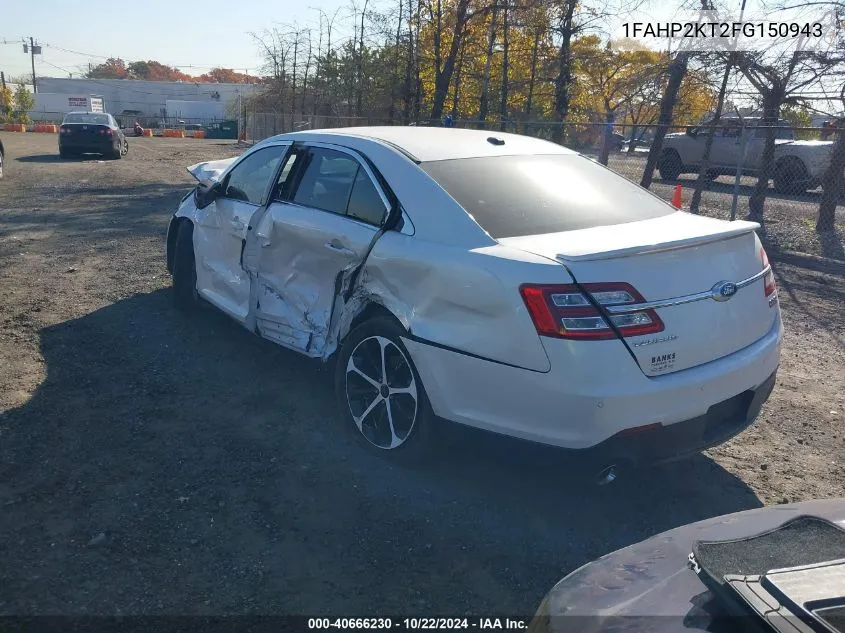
(648, 586)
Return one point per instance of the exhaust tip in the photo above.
(607, 475)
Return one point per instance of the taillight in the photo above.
(106, 132)
(563, 311)
(769, 279)
(64, 130)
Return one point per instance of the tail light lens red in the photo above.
(106, 131)
(563, 311)
(64, 130)
(769, 280)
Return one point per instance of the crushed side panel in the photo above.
(447, 296)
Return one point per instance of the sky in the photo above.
(193, 37)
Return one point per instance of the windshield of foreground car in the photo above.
(512, 196)
(91, 119)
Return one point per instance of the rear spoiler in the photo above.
(211, 169)
(738, 227)
(663, 233)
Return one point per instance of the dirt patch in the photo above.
(155, 464)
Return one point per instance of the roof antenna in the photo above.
(495, 141)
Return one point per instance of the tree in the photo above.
(798, 116)
(227, 76)
(613, 79)
(23, 103)
(676, 72)
(778, 78)
(833, 181)
(155, 71)
(112, 68)
(6, 101)
(445, 51)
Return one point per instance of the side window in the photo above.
(365, 203)
(278, 194)
(249, 179)
(327, 181)
(732, 130)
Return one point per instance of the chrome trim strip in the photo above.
(698, 296)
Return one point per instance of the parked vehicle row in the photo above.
(798, 165)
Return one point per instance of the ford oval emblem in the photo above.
(723, 290)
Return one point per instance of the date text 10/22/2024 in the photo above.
(418, 624)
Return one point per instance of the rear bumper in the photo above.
(596, 400)
(93, 146)
(655, 444)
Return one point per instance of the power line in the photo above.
(129, 61)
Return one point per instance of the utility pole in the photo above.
(2, 79)
(32, 59)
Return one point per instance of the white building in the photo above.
(148, 98)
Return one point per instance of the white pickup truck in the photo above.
(799, 165)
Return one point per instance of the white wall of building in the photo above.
(149, 97)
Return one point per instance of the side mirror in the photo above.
(206, 193)
(691, 131)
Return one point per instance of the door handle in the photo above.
(338, 247)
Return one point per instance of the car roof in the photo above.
(424, 144)
(83, 112)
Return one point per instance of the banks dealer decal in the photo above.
(663, 362)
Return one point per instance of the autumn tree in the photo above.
(448, 20)
(112, 68)
(155, 71)
(613, 79)
(226, 76)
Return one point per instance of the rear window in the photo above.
(91, 119)
(511, 196)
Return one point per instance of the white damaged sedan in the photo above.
(490, 279)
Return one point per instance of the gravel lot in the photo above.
(156, 464)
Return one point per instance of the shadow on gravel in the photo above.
(101, 212)
(174, 464)
(831, 242)
(55, 158)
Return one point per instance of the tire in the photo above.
(1, 165)
(790, 176)
(185, 295)
(670, 166)
(364, 410)
(64, 154)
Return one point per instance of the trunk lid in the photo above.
(669, 258)
(85, 131)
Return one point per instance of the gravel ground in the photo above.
(156, 464)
